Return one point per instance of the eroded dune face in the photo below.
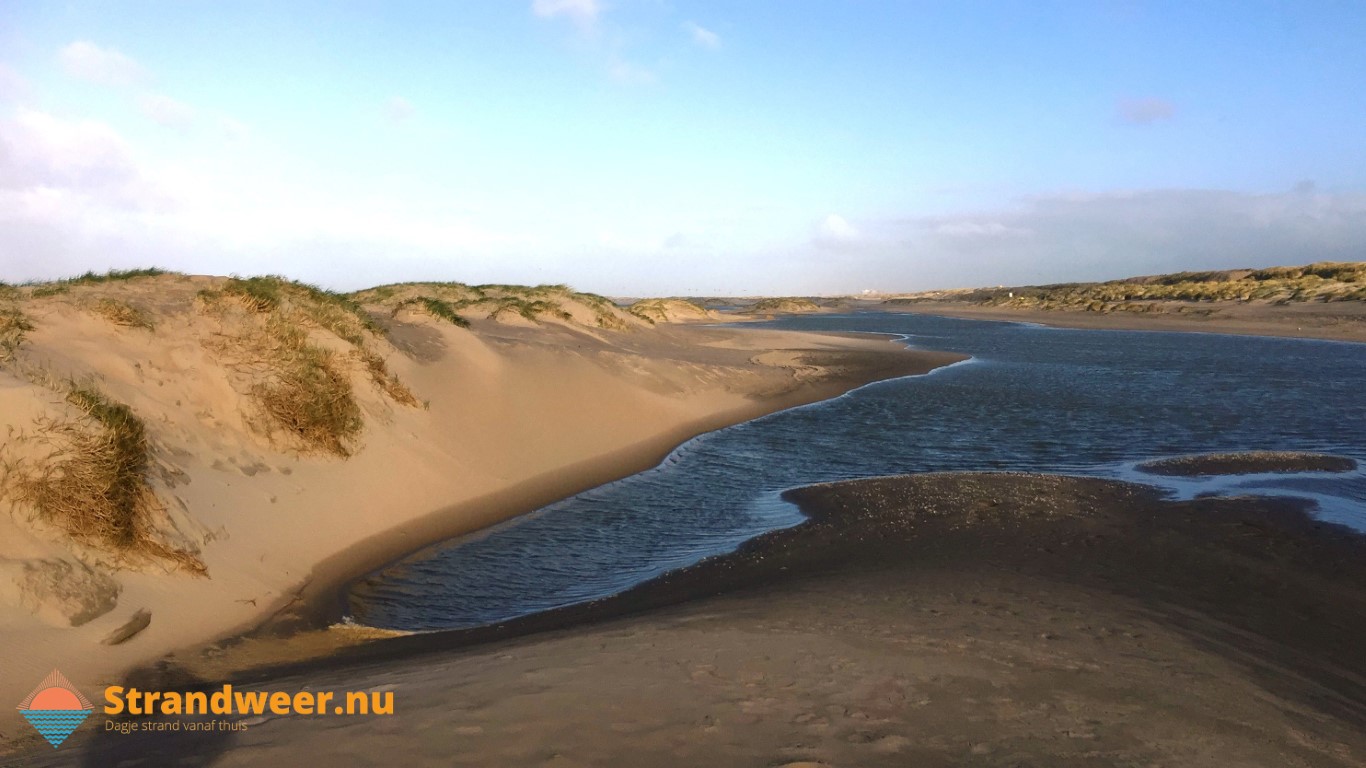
(110, 385)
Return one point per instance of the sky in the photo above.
(662, 147)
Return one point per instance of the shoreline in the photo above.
(1347, 323)
(320, 599)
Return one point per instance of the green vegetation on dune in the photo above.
(302, 388)
(446, 300)
(113, 275)
(663, 310)
(336, 312)
(435, 308)
(784, 304)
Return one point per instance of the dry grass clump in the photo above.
(336, 312)
(305, 394)
(299, 387)
(387, 381)
(93, 485)
(122, 313)
(14, 326)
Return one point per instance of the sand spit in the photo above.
(937, 620)
(195, 451)
(1246, 463)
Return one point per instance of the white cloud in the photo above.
(74, 195)
(233, 129)
(42, 151)
(1145, 111)
(104, 66)
(979, 229)
(624, 71)
(582, 12)
(1098, 236)
(167, 111)
(12, 84)
(836, 227)
(399, 109)
(701, 35)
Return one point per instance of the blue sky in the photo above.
(654, 147)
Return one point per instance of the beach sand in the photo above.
(933, 620)
(517, 414)
(1339, 321)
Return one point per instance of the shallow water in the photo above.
(1081, 402)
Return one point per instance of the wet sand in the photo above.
(943, 619)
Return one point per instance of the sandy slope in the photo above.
(519, 413)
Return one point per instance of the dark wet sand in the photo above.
(933, 620)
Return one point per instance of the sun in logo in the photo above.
(55, 708)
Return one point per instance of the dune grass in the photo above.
(48, 289)
(123, 314)
(436, 308)
(14, 327)
(784, 305)
(387, 382)
(113, 275)
(336, 312)
(94, 485)
(659, 310)
(301, 388)
(305, 394)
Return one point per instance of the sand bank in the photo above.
(499, 418)
(1246, 463)
(945, 619)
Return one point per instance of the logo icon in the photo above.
(55, 708)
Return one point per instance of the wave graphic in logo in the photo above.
(55, 708)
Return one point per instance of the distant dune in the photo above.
(1322, 300)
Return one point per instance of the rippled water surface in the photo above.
(1031, 398)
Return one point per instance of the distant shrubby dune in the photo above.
(1319, 282)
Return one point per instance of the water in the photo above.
(1031, 398)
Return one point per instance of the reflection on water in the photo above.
(1032, 398)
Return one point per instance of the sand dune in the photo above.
(259, 437)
